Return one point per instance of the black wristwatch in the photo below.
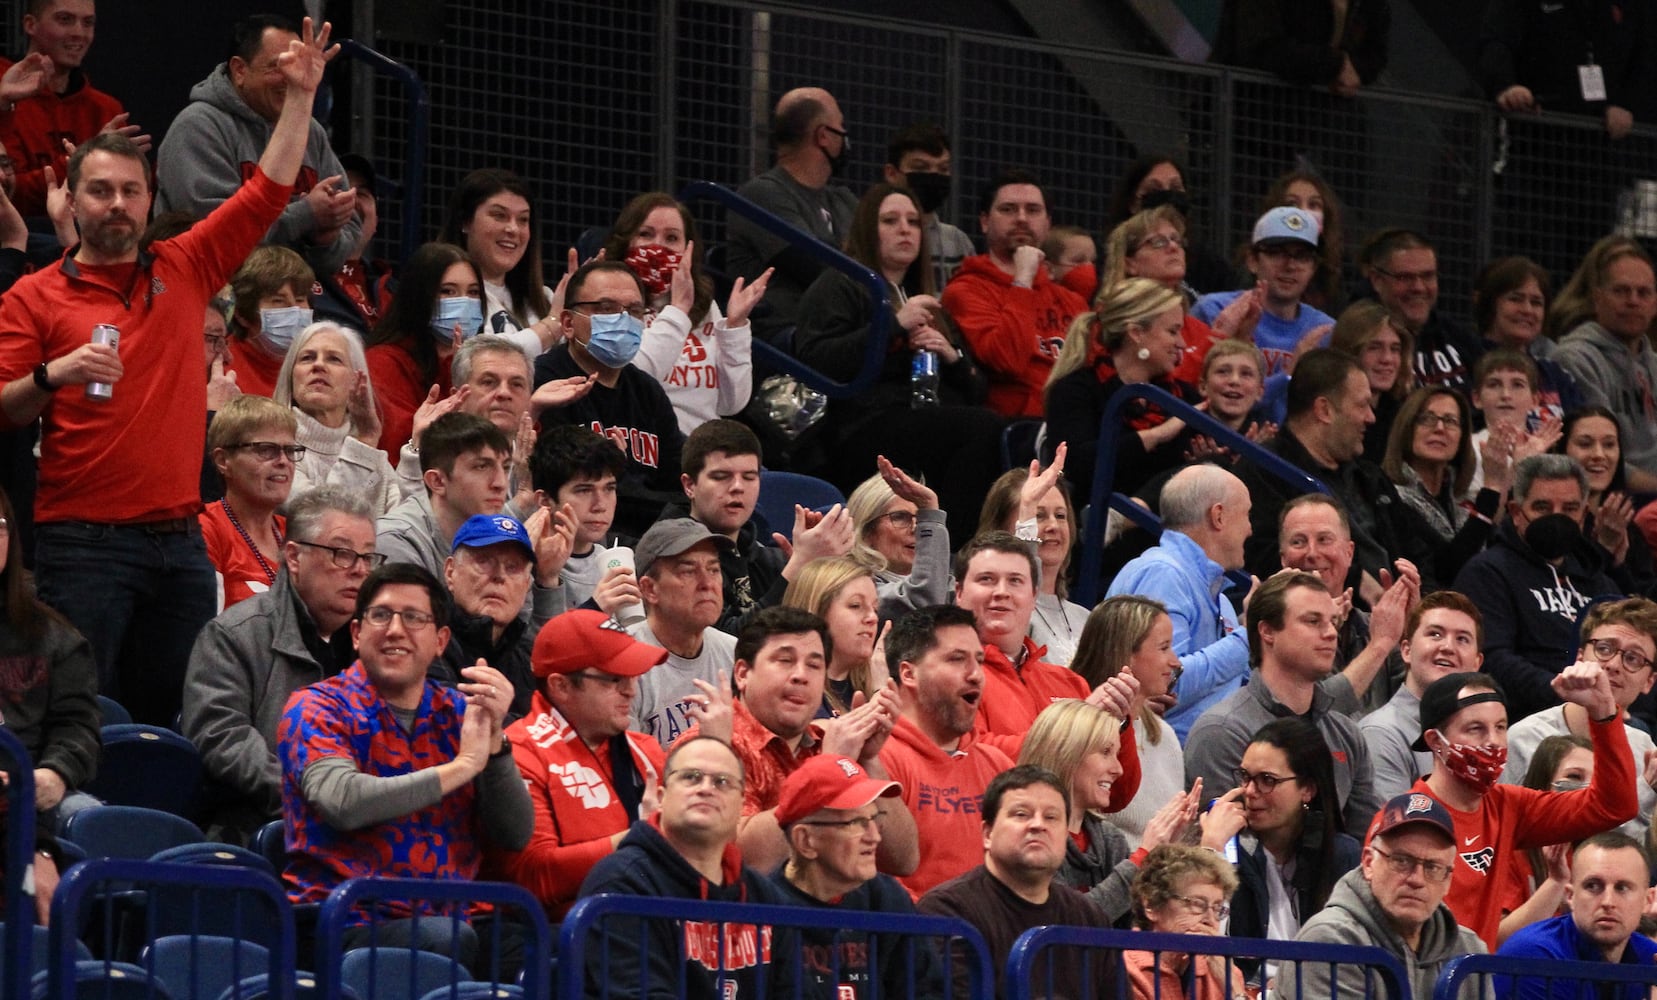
(504, 750)
(41, 379)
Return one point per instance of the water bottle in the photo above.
(923, 380)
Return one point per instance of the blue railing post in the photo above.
(1453, 980)
(20, 851)
(419, 142)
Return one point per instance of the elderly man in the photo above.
(689, 852)
(1393, 901)
(1533, 582)
(210, 147)
(589, 777)
(832, 812)
(1610, 890)
(386, 772)
(249, 660)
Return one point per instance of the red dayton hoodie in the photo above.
(943, 791)
(1015, 333)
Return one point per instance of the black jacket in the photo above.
(1540, 43)
(1251, 904)
(751, 573)
(908, 966)
(1291, 38)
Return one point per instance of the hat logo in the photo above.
(1294, 221)
(506, 524)
(1419, 804)
(612, 625)
(848, 767)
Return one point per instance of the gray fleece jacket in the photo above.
(1353, 917)
(1610, 375)
(213, 145)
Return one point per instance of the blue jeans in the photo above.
(140, 597)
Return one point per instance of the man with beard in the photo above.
(118, 549)
(1013, 315)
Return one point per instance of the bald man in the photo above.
(809, 135)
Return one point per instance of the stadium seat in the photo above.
(203, 966)
(1018, 444)
(39, 950)
(476, 991)
(129, 832)
(148, 766)
(207, 853)
(97, 980)
(268, 842)
(113, 712)
(780, 491)
(176, 910)
(305, 987)
(393, 972)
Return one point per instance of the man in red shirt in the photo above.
(118, 549)
(589, 778)
(1464, 725)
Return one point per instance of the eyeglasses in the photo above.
(1409, 277)
(1431, 421)
(1633, 661)
(381, 617)
(690, 777)
(845, 136)
(859, 825)
(346, 558)
(1199, 907)
(610, 680)
(1299, 253)
(496, 564)
(903, 520)
(1264, 780)
(610, 307)
(1403, 864)
(268, 451)
(1162, 242)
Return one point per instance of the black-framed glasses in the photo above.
(610, 680)
(1162, 241)
(611, 306)
(845, 136)
(859, 825)
(1300, 253)
(1403, 864)
(1633, 661)
(1431, 421)
(380, 617)
(268, 451)
(1200, 907)
(903, 520)
(1409, 277)
(347, 558)
(692, 777)
(1264, 780)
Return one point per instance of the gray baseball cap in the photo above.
(673, 537)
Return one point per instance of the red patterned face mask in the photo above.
(1478, 766)
(654, 264)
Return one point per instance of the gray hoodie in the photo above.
(1353, 917)
(1609, 376)
(214, 144)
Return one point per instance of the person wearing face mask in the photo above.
(1464, 726)
(1538, 575)
(812, 144)
(1155, 180)
(439, 303)
(603, 322)
(272, 292)
(701, 356)
(918, 158)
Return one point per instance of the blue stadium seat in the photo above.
(129, 832)
(148, 766)
(1018, 444)
(476, 991)
(98, 980)
(305, 987)
(268, 842)
(178, 910)
(202, 966)
(393, 973)
(40, 952)
(780, 491)
(207, 853)
(114, 713)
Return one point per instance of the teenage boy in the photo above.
(1283, 257)
(575, 467)
(1504, 390)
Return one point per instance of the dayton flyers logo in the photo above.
(1480, 860)
(583, 783)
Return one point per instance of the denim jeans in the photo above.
(139, 596)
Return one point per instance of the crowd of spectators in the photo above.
(454, 569)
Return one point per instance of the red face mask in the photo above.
(654, 264)
(1478, 766)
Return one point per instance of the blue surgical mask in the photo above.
(465, 310)
(615, 339)
(279, 327)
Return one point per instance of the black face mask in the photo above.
(1165, 196)
(837, 164)
(930, 190)
(1552, 536)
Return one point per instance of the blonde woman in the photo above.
(841, 591)
(901, 537)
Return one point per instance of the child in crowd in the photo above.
(1233, 384)
(1505, 392)
(1072, 259)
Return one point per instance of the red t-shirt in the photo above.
(239, 569)
(400, 391)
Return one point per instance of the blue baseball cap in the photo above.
(483, 530)
(1286, 224)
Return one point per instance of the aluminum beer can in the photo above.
(103, 333)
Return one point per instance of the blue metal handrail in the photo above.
(419, 141)
(880, 326)
(98, 876)
(1090, 588)
(1459, 970)
(574, 954)
(20, 850)
(1026, 952)
(337, 914)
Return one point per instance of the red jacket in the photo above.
(400, 390)
(34, 132)
(1015, 333)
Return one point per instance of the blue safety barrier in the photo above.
(346, 905)
(17, 941)
(1039, 953)
(413, 185)
(100, 886)
(1089, 588)
(1458, 981)
(583, 933)
(874, 349)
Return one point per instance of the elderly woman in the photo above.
(1182, 890)
(325, 379)
(902, 538)
(841, 592)
(251, 443)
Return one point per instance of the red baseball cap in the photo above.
(827, 781)
(583, 639)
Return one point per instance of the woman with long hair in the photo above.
(841, 592)
(1542, 874)
(1293, 845)
(701, 356)
(492, 215)
(1429, 457)
(439, 303)
(953, 441)
(900, 536)
(1157, 179)
(1132, 336)
(325, 380)
(1049, 521)
(1386, 352)
(1593, 436)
